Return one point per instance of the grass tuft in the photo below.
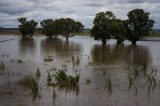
(2, 65)
(61, 80)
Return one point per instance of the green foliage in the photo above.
(138, 24)
(118, 30)
(102, 26)
(62, 80)
(49, 79)
(27, 28)
(106, 26)
(50, 27)
(70, 27)
(64, 26)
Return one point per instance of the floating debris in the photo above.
(88, 81)
(49, 59)
(19, 61)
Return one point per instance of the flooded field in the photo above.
(109, 75)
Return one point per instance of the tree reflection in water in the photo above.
(27, 47)
(60, 47)
(134, 62)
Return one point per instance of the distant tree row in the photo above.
(51, 28)
(107, 26)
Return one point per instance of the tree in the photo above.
(118, 30)
(47, 27)
(27, 28)
(69, 27)
(138, 24)
(102, 26)
(64, 26)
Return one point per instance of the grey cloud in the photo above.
(94, 4)
(82, 10)
(68, 12)
(13, 10)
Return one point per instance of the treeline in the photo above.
(51, 28)
(106, 26)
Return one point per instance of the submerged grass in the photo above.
(109, 85)
(130, 82)
(31, 82)
(149, 77)
(64, 80)
(108, 81)
(38, 74)
(2, 65)
(88, 81)
(75, 60)
(61, 80)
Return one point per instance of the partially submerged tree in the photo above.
(102, 26)
(27, 28)
(138, 25)
(69, 27)
(118, 30)
(64, 26)
(47, 27)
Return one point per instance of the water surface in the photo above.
(120, 75)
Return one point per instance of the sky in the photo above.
(80, 10)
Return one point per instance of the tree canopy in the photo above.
(107, 26)
(64, 26)
(27, 28)
(138, 24)
(102, 26)
(118, 30)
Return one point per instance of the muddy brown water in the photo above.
(119, 75)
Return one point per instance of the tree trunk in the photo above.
(24, 36)
(50, 36)
(66, 38)
(134, 42)
(119, 42)
(104, 41)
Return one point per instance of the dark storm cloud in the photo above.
(14, 7)
(94, 4)
(82, 10)
(142, 1)
(13, 10)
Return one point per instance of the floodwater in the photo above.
(110, 75)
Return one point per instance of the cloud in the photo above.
(82, 10)
(94, 4)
